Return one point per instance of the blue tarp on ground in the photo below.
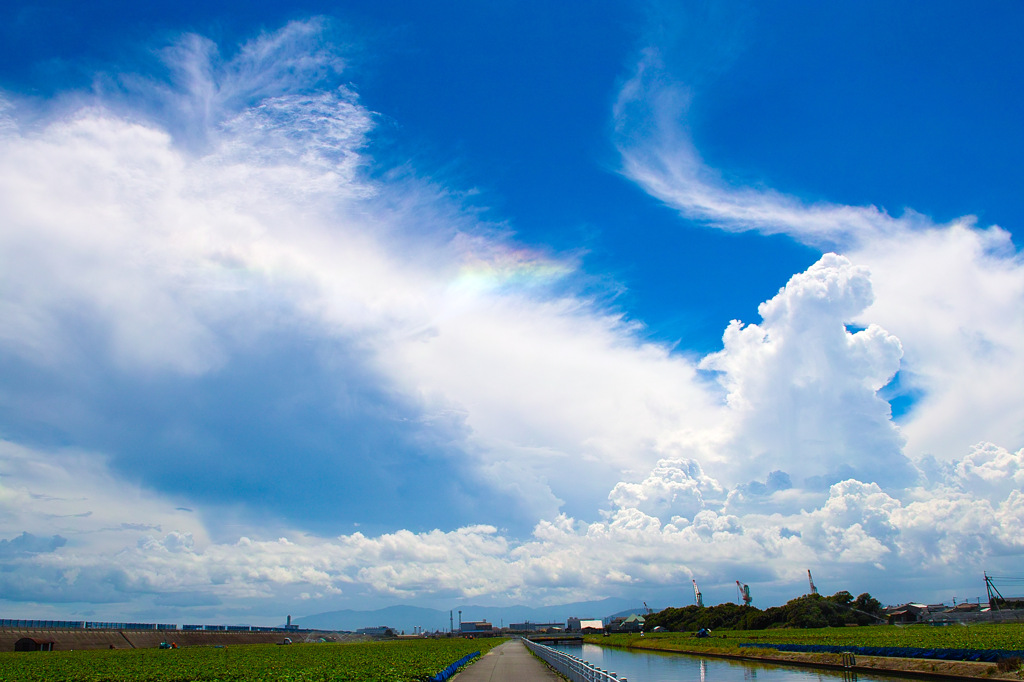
(450, 670)
(983, 655)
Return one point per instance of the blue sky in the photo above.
(317, 306)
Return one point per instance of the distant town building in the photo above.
(906, 613)
(631, 623)
(589, 625)
(379, 631)
(536, 627)
(471, 626)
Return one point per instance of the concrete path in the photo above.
(508, 662)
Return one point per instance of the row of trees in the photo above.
(808, 611)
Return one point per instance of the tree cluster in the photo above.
(808, 611)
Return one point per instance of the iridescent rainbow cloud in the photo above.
(502, 268)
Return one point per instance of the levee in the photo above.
(65, 640)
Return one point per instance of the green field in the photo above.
(392, 661)
(987, 636)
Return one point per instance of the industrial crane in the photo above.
(744, 592)
(814, 590)
(697, 595)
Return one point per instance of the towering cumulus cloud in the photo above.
(231, 336)
(803, 390)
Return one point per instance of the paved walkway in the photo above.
(508, 662)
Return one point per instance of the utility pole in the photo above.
(995, 598)
(451, 622)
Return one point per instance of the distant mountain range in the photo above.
(408, 618)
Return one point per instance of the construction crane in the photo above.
(648, 609)
(697, 595)
(814, 590)
(744, 592)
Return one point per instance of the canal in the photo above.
(656, 666)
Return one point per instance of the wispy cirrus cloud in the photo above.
(658, 154)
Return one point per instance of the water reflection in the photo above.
(655, 666)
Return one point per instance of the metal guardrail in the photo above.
(573, 667)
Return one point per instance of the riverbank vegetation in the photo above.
(1008, 636)
(808, 611)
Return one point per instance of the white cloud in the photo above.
(857, 531)
(129, 245)
(854, 524)
(658, 154)
(675, 487)
(75, 494)
(988, 471)
(149, 248)
(162, 245)
(803, 390)
(950, 293)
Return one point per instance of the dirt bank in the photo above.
(79, 639)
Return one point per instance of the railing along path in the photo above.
(573, 667)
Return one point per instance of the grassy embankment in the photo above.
(726, 643)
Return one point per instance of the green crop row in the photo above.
(391, 661)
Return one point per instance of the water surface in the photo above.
(656, 666)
